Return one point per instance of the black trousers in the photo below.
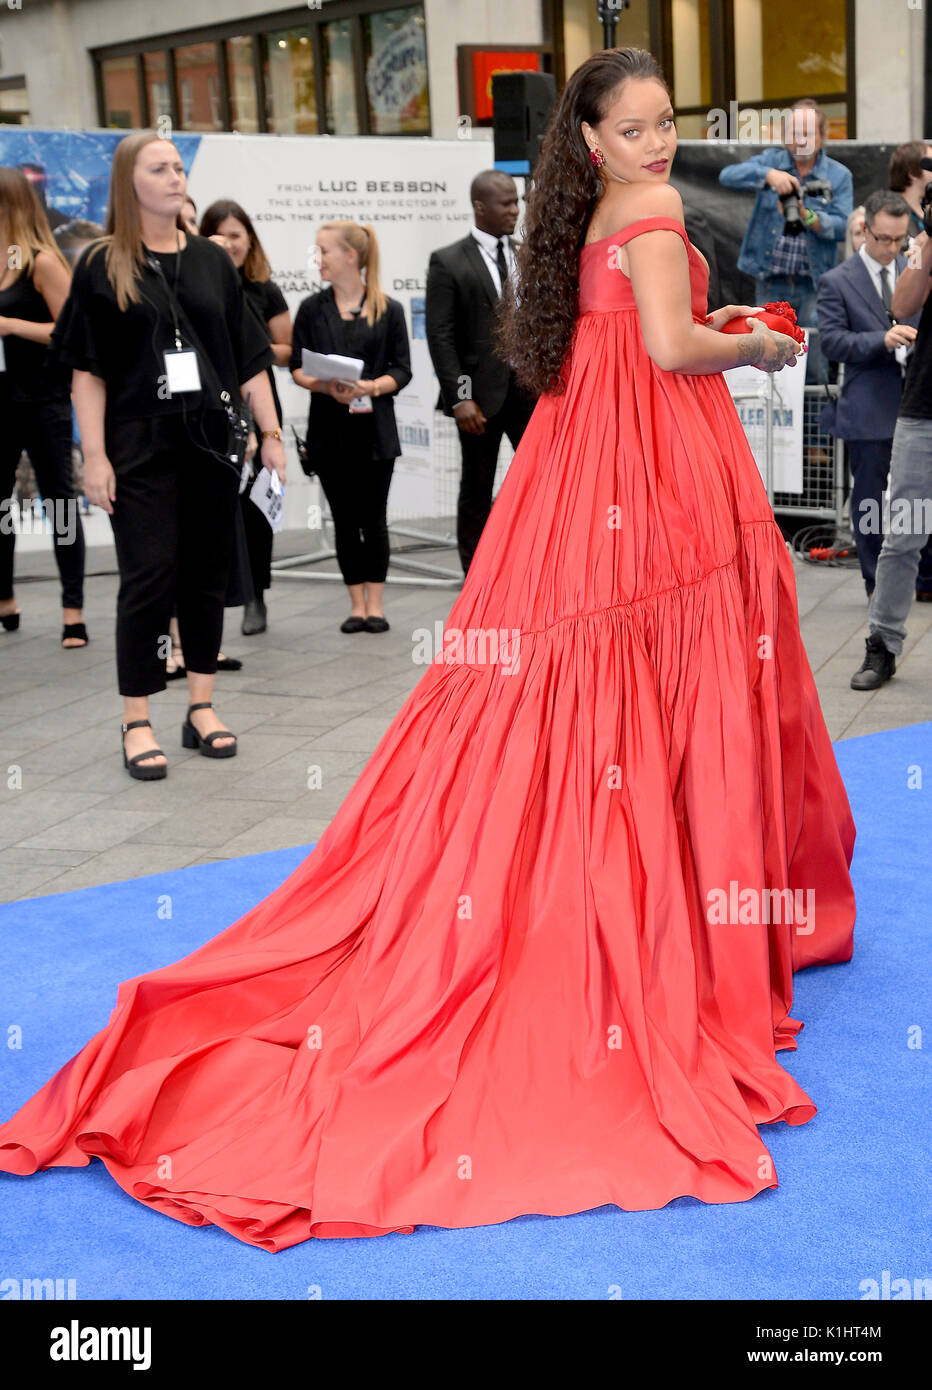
(45, 432)
(870, 464)
(480, 459)
(356, 488)
(173, 529)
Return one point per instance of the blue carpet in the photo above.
(854, 1196)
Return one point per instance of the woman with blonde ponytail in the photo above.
(352, 437)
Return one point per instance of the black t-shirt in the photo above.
(267, 300)
(125, 348)
(30, 376)
(916, 401)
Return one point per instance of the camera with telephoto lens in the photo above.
(812, 188)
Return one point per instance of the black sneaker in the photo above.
(879, 665)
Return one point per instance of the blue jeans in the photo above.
(800, 292)
(910, 523)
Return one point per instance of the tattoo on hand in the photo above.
(750, 349)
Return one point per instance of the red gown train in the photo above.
(500, 984)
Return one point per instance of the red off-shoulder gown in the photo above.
(496, 986)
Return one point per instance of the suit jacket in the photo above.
(852, 324)
(460, 310)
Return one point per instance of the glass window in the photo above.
(241, 78)
(121, 93)
(803, 48)
(198, 87)
(337, 44)
(691, 67)
(290, 98)
(158, 92)
(789, 53)
(396, 71)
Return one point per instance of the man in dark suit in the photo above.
(856, 328)
(465, 282)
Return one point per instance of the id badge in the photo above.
(181, 371)
(361, 405)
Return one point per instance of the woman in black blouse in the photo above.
(232, 226)
(352, 438)
(34, 399)
(161, 343)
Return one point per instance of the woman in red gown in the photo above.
(541, 960)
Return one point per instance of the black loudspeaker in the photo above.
(521, 107)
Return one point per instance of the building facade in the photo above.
(385, 67)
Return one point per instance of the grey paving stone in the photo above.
(207, 823)
(94, 829)
(275, 832)
(118, 863)
(356, 735)
(26, 813)
(25, 880)
(51, 858)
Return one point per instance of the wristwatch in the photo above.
(271, 434)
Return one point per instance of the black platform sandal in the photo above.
(134, 765)
(10, 621)
(74, 630)
(190, 738)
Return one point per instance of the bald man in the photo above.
(465, 282)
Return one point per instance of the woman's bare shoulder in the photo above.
(634, 203)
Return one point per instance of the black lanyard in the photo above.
(156, 265)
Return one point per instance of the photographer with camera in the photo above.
(789, 244)
(910, 489)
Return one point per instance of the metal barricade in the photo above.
(824, 487)
(824, 482)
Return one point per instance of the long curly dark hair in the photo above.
(535, 329)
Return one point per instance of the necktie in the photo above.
(502, 263)
(885, 294)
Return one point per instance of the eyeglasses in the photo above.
(887, 240)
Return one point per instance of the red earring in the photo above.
(597, 157)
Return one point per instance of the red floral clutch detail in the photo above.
(780, 317)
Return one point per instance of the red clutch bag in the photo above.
(780, 317)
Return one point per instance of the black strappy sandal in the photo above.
(74, 630)
(190, 738)
(153, 773)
